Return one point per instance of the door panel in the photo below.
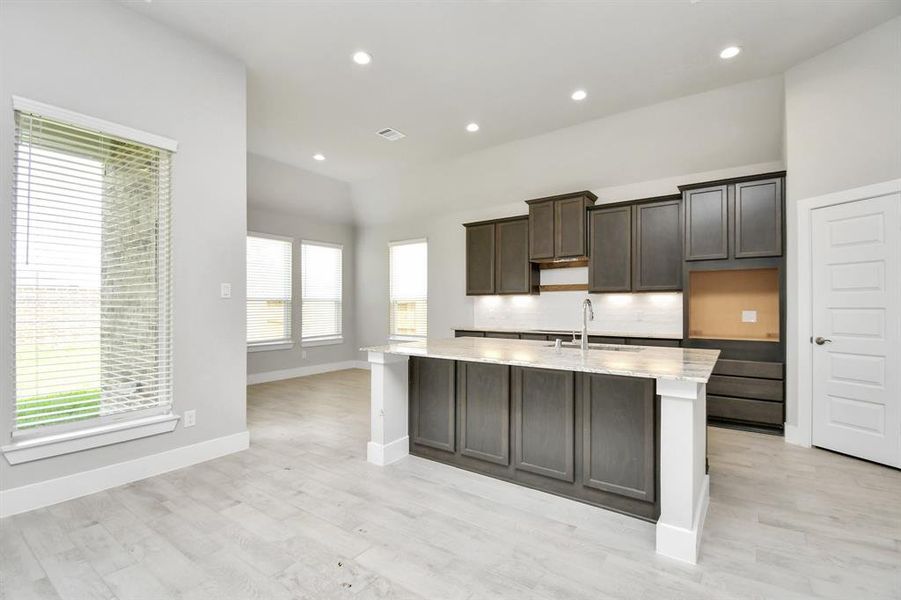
(432, 404)
(483, 394)
(706, 223)
(856, 289)
(480, 259)
(543, 416)
(610, 260)
(513, 269)
(541, 230)
(758, 218)
(658, 246)
(569, 238)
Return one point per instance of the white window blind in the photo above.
(268, 289)
(408, 293)
(322, 283)
(92, 276)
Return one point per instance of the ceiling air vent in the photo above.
(392, 135)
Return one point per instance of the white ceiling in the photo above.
(510, 66)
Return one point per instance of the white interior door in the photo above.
(856, 289)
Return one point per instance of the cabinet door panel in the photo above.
(569, 239)
(480, 259)
(544, 419)
(618, 437)
(758, 218)
(513, 269)
(541, 230)
(706, 223)
(432, 403)
(657, 253)
(610, 259)
(483, 395)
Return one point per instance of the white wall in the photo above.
(842, 130)
(106, 61)
(728, 127)
(307, 228)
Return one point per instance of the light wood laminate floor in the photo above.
(302, 515)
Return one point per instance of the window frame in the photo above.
(329, 340)
(288, 342)
(27, 445)
(408, 338)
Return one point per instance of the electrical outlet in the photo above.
(303, 354)
(225, 290)
(190, 418)
(749, 316)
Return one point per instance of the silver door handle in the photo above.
(819, 341)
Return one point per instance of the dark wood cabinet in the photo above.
(618, 435)
(543, 421)
(636, 247)
(558, 227)
(657, 246)
(483, 398)
(610, 254)
(497, 258)
(433, 403)
(735, 219)
(758, 218)
(707, 223)
(480, 261)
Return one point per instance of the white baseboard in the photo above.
(267, 376)
(795, 435)
(385, 454)
(681, 543)
(37, 495)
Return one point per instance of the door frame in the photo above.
(799, 373)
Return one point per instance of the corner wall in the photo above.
(106, 61)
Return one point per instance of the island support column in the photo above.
(684, 483)
(388, 412)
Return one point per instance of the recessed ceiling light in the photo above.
(472, 127)
(579, 95)
(362, 58)
(730, 52)
(318, 156)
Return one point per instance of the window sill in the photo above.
(322, 342)
(406, 338)
(267, 346)
(84, 439)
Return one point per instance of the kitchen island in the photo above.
(619, 427)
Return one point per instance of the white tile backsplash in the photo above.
(638, 314)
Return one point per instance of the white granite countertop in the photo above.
(568, 332)
(685, 364)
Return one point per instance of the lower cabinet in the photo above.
(589, 437)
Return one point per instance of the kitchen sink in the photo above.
(602, 347)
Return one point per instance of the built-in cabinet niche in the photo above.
(734, 304)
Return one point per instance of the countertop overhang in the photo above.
(653, 362)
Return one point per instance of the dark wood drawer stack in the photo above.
(747, 392)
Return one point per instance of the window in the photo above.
(268, 291)
(321, 277)
(408, 294)
(92, 276)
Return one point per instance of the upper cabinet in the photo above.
(497, 258)
(636, 247)
(740, 219)
(558, 228)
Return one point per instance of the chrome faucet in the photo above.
(587, 314)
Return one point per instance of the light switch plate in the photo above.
(190, 418)
(749, 316)
(225, 290)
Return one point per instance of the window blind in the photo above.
(92, 276)
(408, 289)
(322, 283)
(268, 289)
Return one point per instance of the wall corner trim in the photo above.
(267, 376)
(52, 491)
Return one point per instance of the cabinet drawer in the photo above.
(746, 387)
(654, 342)
(743, 409)
(749, 368)
(468, 333)
(502, 335)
